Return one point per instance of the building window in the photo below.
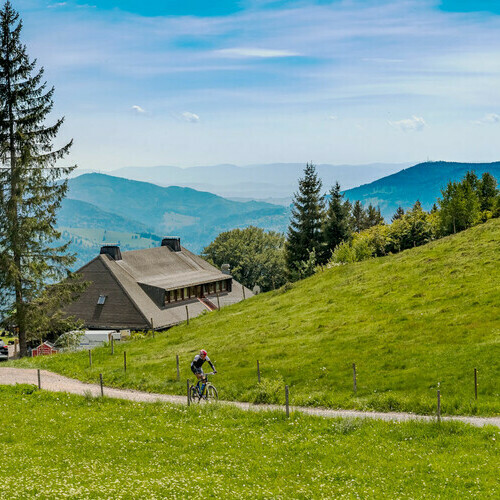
(101, 300)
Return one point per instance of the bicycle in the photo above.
(207, 392)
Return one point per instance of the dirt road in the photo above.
(57, 383)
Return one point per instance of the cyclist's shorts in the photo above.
(196, 371)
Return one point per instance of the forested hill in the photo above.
(421, 182)
(97, 201)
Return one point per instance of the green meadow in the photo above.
(82, 447)
(413, 323)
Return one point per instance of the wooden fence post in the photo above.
(188, 394)
(439, 406)
(187, 315)
(475, 382)
(152, 328)
(218, 302)
(355, 385)
(258, 371)
(112, 344)
(243, 288)
(39, 380)
(90, 358)
(178, 370)
(124, 361)
(102, 388)
(286, 402)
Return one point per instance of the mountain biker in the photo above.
(197, 363)
(196, 367)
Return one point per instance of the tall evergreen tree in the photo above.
(30, 189)
(358, 218)
(305, 230)
(487, 190)
(398, 214)
(337, 228)
(373, 216)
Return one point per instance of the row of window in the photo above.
(196, 291)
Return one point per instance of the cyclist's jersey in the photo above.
(198, 362)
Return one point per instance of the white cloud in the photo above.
(488, 119)
(413, 124)
(332, 117)
(190, 117)
(55, 5)
(255, 52)
(138, 109)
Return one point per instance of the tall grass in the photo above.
(70, 446)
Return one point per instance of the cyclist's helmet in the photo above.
(203, 353)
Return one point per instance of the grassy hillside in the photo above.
(412, 323)
(101, 448)
(421, 182)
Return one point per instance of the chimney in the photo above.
(173, 243)
(226, 269)
(113, 251)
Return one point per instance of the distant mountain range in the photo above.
(103, 209)
(276, 181)
(421, 182)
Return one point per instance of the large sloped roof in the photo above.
(166, 269)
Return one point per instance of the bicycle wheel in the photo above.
(194, 395)
(211, 394)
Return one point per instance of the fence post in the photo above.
(102, 388)
(355, 385)
(124, 361)
(439, 406)
(39, 380)
(218, 302)
(286, 402)
(258, 371)
(475, 382)
(112, 344)
(188, 395)
(178, 371)
(243, 288)
(152, 328)
(90, 358)
(187, 315)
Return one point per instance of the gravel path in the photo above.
(57, 383)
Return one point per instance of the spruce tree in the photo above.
(358, 219)
(305, 230)
(398, 214)
(30, 186)
(373, 216)
(336, 228)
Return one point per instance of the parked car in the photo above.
(4, 351)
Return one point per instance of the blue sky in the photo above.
(261, 81)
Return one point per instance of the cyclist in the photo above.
(196, 367)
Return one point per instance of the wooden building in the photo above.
(151, 288)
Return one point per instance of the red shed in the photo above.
(44, 350)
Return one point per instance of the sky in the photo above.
(143, 83)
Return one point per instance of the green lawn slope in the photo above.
(413, 323)
(66, 446)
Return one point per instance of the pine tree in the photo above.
(398, 214)
(487, 190)
(30, 189)
(358, 219)
(305, 230)
(373, 217)
(336, 228)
